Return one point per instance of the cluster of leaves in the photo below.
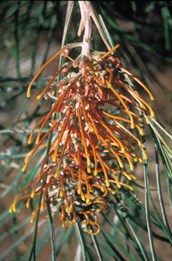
(26, 25)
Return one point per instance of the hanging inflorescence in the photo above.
(96, 142)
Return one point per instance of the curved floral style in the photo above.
(96, 142)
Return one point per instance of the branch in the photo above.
(86, 24)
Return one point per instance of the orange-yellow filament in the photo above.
(42, 68)
(110, 51)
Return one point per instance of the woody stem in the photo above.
(85, 24)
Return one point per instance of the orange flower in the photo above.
(96, 139)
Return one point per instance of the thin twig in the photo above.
(22, 131)
(86, 24)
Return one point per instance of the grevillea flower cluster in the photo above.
(96, 138)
